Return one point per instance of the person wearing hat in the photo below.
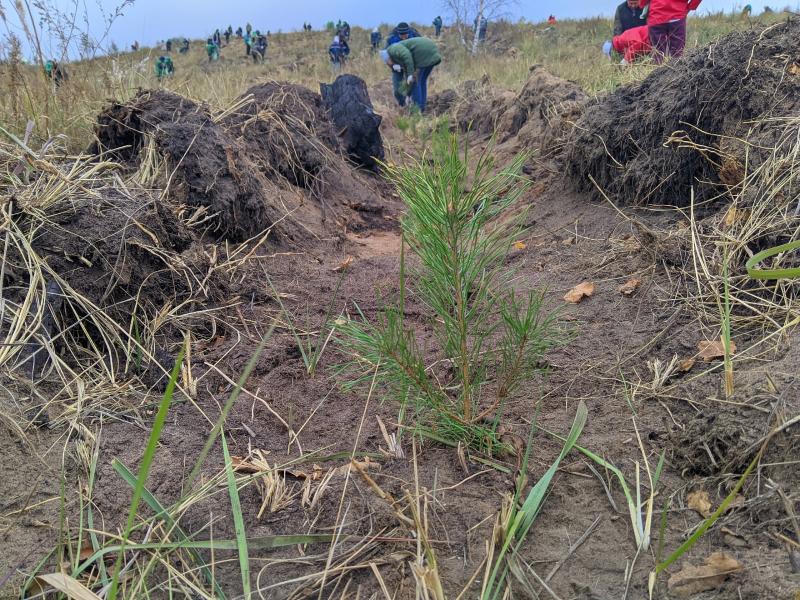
(402, 32)
(414, 59)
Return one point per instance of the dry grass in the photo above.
(572, 51)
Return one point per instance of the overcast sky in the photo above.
(150, 20)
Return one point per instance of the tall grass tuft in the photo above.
(460, 225)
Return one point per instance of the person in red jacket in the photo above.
(667, 23)
(632, 44)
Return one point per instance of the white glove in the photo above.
(397, 68)
(410, 79)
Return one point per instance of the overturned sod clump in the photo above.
(111, 260)
(691, 126)
(537, 116)
(348, 101)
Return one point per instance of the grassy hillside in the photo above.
(570, 50)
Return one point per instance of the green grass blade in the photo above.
(700, 531)
(526, 515)
(238, 521)
(144, 469)
(172, 525)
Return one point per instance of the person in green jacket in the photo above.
(415, 58)
(212, 50)
(164, 67)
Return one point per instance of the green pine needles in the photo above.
(460, 224)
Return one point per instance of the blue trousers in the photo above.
(397, 85)
(419, 93)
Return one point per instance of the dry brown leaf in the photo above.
(579, 292)
(734, 216)
(709, 351)
(733, 539)
(568, 241)
(698, 501)
(629, 287)
(520, 245)
(344, 264)
(794, 68)
(686, 365)
(70, 587)
(708, 576)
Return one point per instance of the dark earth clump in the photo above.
(287, 133)
(351, 109)
(209, 168)
(640, 143)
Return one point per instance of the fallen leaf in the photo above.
(520, 245)
(686, 365)
(340, 321)
(72, 588)
(732, 539)
(579, 292)
(794, 68)
(629, 287)
(709, 351)
(735, 215)
(698, 501)
(568, 241)
(344, 264)
(708, 576)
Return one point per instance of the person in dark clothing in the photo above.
(184, 47)
(259, 50)
(628, 16)
(169, 45)
(239, 32)
(227, 34)
(402, 32)
(338, 52)
(375, 39)
(55, 73)
(437, 26)
(480, 27)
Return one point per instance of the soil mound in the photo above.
(348, 101)
(538, 114)
(683, 126)
(210, 170)
(287, 132)
(249, 168)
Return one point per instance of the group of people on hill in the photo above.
(654, 28)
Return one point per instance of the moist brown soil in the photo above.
(707, 439)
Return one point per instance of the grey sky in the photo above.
(150, 20)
